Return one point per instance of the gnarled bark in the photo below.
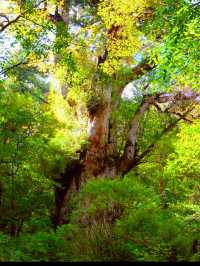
(95, 163)
(127, 159)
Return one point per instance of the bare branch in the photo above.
(10, 23)
(182, 116)
(130, 146)
(138, 71)
(4, 16)
(166, 130)
(158, 107)
(142, 68)
(130, 157)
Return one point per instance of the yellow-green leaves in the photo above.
(184, 163)
(69, 133)
(121, 20)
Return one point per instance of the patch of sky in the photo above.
(198, 99)
(193, 1)
(135, 89)
(138, 57)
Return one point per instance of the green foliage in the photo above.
(35, 144)
(184, 162)
(58, 71)
(124, 220)
(176, 53)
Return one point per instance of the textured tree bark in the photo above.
(99, 160)
(95, 163)
(127, 159)
(92, 162)
(68, 182)
(98, 134)
(163, 202)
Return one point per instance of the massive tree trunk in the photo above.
(93, 162)
(100, 159)
(98, 132)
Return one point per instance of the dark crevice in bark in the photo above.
(102, 58)
(130, 157)
(99, 158)
(126, 162)
(195, 245)
(68, 182)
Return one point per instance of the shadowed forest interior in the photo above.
(99, 130)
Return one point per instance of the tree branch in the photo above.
(129, 157)
(137, 71)
(141, 68)
(4, 16)
(125, 161)
(12, 67)
(10, 22)
(165, 130)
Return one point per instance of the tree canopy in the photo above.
(99, 130)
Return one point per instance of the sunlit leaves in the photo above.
(70, 133)
(121, 20)
(184, 163)
(176, 27)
